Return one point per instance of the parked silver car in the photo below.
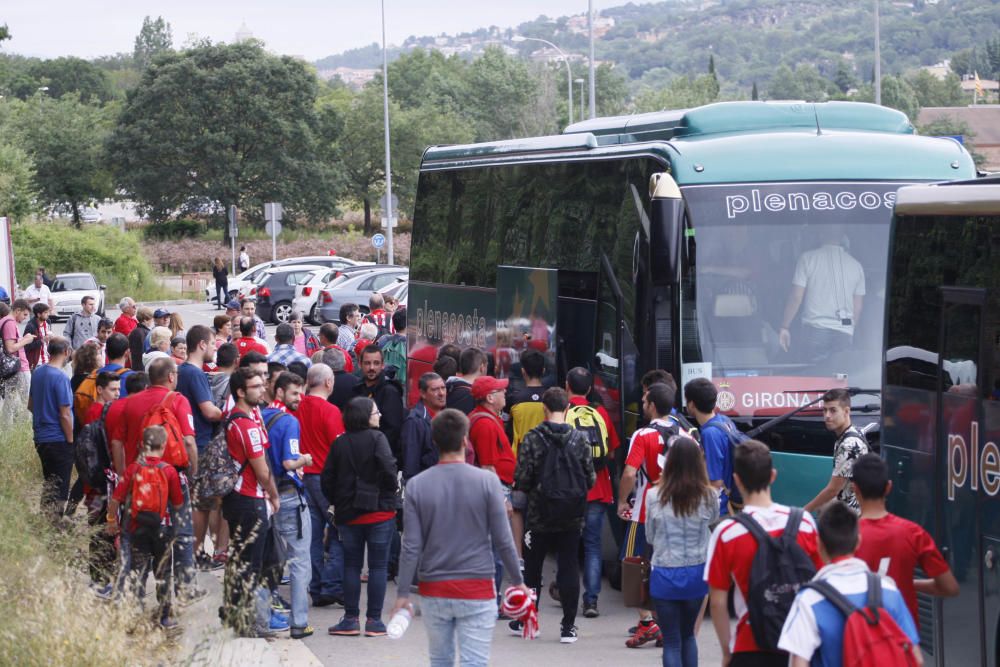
(68, 290)
(355, 286)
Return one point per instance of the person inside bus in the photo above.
(829, 287)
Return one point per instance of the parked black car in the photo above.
(274, 290)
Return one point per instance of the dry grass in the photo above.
(51, 617)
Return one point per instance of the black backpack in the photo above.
(780, 567)
(667, 434)
(563, 483)
(92, 454)
(736, 438)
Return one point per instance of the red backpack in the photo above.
(149, 493)
(871, 636)
(174, 453)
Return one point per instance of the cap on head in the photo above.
(232, 304)
(484, 384)
(161, 312)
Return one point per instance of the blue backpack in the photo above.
(736, 437)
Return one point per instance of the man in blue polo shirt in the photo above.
(701, 395)
(292, 520)
(50, 401)
(192, 384)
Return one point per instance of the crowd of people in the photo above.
(295, 462)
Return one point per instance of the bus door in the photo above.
(971, 477)
(526, 314)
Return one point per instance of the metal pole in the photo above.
(580, 83)
(569, 87)
(878, 57)
(388, 162)
(274, 240)
(593, 94)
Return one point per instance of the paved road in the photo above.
(602, 640)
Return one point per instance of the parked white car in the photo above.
(240, 285)
(68, 290)
(307, 292)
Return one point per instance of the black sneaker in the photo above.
(590, 610)
(516, 628)
(568, 635)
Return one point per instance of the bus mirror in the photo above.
(665, 229)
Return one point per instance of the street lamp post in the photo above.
(579, 83)
(388, 163)
(593, 84)
(569, 71)
(878, 56)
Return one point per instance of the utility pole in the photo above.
(878, 57)
(593, 85)
(388, 163)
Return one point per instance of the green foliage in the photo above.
(155, 37)
(683, 93)
(72, 75)
(173, 229)
(18, 193)
(804, 83)
(65, 139)
(933, 92)
(115, 258)
(4, 32)
(223, 124)
(503, 89)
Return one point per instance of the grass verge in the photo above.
(52, 617)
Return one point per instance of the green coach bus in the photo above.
(672, 240)
(941, 402)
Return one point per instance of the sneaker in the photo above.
(644, 634)
(554, 591)
(203, 561)
(568, 635)
(280, 604)
(168, 624)
(590, 610)
(302, 633)
(221, 559)
(374, 627)
(516, 628)
(347, 627)
(105, 592)
(278, 623)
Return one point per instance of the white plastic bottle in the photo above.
(398, 624)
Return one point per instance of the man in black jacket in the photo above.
(386, 393)
(137, 337)
(418, 450)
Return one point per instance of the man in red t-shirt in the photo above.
(579, 382)
(247, 342)
(321, 424)
(490, 443)
(893, 546)
(731, 552)
(124, 426)
(246, 605)
(127, 321)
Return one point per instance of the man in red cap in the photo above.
(490, 442)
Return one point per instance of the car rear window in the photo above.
(71, 283)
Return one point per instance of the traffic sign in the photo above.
(378, 241)
(382, 203)
(275, 226)
(272, 211)
(395, 222)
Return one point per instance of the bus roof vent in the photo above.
(726, 117)
(763, 116)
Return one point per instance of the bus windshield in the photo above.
(809, 258)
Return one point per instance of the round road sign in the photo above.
(378, 241)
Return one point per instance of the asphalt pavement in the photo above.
(601, 642)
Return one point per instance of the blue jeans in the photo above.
(184, 571)
(676, 619)
(325, 551)
(470, 622)
(294, 527)
(377, 537)
(592, 527)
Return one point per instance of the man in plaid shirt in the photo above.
(285, 352)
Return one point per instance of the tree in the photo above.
(18, 193)
(155, 37)
(223, 124)
(65, 139)
(500, 90)
(4, 33)
(682, 93)
(844, 79)
(72, 75)
(953, 127)
(934, 92)
(754, 95)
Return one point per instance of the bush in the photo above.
(172, 230)
(54, 619)
(115, 259)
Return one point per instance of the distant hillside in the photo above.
(748, 38)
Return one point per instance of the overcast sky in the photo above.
(308, 28)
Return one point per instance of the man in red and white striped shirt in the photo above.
(245, 509)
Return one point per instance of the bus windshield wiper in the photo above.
(771, 423)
